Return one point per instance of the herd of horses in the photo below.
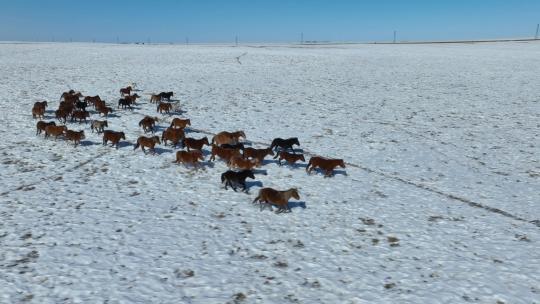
(227, 146)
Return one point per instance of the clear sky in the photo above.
(265, 21)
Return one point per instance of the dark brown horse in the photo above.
(92, 99)
(105, 111)
(290, 158)
(148, 123)
(195, 144)
(189, 157)
(126, 91)
(41, 125)
(80, 115)
(75, 136)
(149, 142)
(223, 153)
(166, 95)
(113, 137)
(164, 107)
(326, 164)
(61, 114)
(38, 112)
(228, 137)
(42, 104)
(258, 154)
(173, 135)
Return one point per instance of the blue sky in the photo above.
(265, 21)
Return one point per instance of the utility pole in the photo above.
(537, 28)
(395, 34)
(302, 38)
(236, 40)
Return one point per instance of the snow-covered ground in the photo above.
(440, 203)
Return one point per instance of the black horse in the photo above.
(284, 144)
(122, 102)
(233, 178)
(166, 95)
(81, 105)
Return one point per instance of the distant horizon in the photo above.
(255, 21)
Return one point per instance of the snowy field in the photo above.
(440, 202)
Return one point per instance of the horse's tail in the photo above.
(172, 123)
(213, 139)
(256, 199)
(136, 145)
(222, 178)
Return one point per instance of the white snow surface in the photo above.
(442, 146)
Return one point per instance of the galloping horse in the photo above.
(195, 144)
(126, 91)
(55, 131)
(98, 125)
(113, 137)
(41, 125)
(233, 178)
(290, 158)
(149, 142)
(278, 198)
(228, 137)
(189, 157)
(180, 123)
(148, 123)
(173, 135)
(284, 144)
(75, 136)
(258, 154)
(326, 164)
(223, 153)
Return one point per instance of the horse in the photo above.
(223, 153)
(233, 178)
(278, 198)
(155, 98)
(284, 144)
(98, 125)
(126, 91)
(258, 154)
(92, 99)
(71, 95)
(42, 104)
(41, 125)
(99, 104)
(326, 164)
(174, 135)
(164, 107)
(165, 95)
(104, 111)
(61, 114)
(38, 112)
(189, 157)
(113, 137)
(81, 105)
(55, 131)
(80, 115)
(132, 98)
(244, 164)
(195, 144)
(227, 137)
(123, 102)
(290, 158)
(75, 136)
(149, 142)
(148, 123)
(180, 123)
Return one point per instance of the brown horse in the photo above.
(180, 123)
(244, 164)
(326, 164)
(80, 115)
(132, 98)
(155, 98)
(164, 107)
(126, 91)
(38, 112)
(195, 144)
(61, 114)
(148, 123)
(71, 95)
(99, 104)
(277, 198)
(113, 137)
(105, 111)
(228, 137)
(42, 104)
(290, 158)
(92, 99)
(173, 135)
(223, 153)
(41, 125)
(54, 131)
(149, 142)
(258, 154)
(75, 136)
(189, 157)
